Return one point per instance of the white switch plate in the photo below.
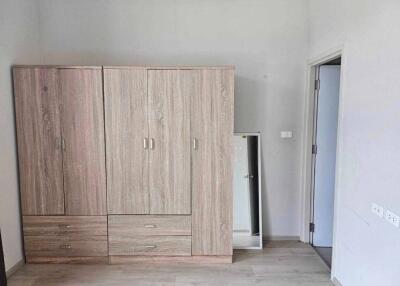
(377, 209)
(286, 134)
(392, 218)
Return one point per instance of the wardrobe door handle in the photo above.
(195, 144)
(150, 246)
(149, 226)
(145, 143)
(152, 144)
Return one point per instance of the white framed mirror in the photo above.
(247, 207)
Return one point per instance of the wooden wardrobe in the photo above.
(123, 164)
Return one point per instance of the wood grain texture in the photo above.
(283, 266)
(206, 259)
(65, 225)
(126, 128)
(212, 171)
(39, 141)
(133, 225)
(66, 245)
(83, 130)
(67, 259)
(149, 245)
(169, 127)
(57, 67)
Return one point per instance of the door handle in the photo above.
(195, 143)
(65, 246)
(150, 246)
(145, 143)
(149, 226)
(152, 143)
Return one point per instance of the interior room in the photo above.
(187, 142)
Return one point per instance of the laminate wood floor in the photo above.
(279, 264)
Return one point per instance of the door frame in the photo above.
(308, 138)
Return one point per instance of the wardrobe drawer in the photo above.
(66, 246)
(62, 225)
(150, 245)
(123, 225)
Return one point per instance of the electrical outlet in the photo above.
(392, 218)
(377, 209)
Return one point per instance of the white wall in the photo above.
(265, 39)
(368, 248)
(19, 42)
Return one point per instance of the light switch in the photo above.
(286, 134)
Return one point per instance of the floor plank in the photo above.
(278, 264)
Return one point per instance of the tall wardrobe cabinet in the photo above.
(125, 163)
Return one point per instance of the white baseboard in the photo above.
(15, 268)
(336, 282)
(280, 237)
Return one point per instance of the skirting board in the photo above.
(280, 237)
(15, 268)
(67, 260)
(177, 259)
(336, 282)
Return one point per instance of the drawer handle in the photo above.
(65, 246)
(64, 225)
(150, 246)
(149, 226)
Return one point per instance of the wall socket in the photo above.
(392, 218)
(377, 209)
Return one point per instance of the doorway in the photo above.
(326, 104)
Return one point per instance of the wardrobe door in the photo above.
(126, 140)
(169, 131)
(83, 134)
(212, 130)
(39, 141)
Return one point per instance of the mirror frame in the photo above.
(258, 135)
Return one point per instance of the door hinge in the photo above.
(317, 84)
(312, 227)
(314, 149)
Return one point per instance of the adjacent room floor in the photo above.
(326, 254)
(279, 264)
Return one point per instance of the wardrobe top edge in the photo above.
(229, 67)
(57, 67)
(170, 67)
